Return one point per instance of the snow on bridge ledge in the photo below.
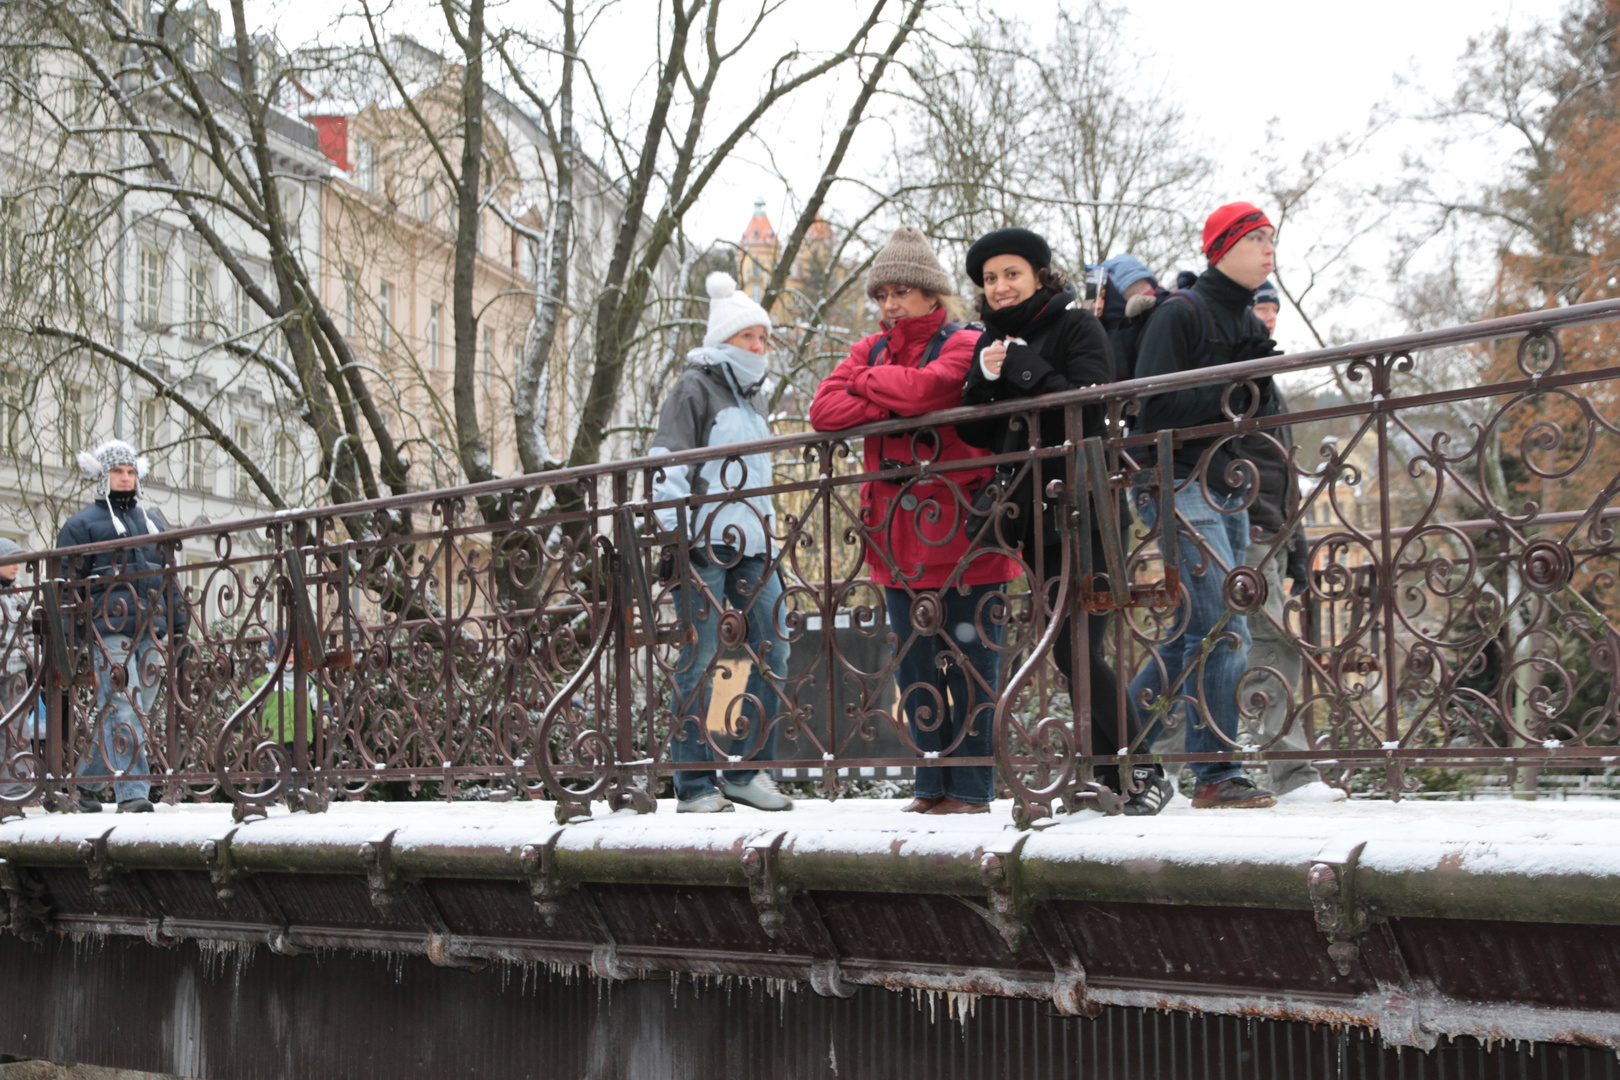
(1492, 919)
(1539, 842)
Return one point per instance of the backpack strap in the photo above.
(936, 344)
(1206, 322)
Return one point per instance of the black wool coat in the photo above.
(1066, 349)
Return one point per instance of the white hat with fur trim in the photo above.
(730, 311)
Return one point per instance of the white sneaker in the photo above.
(760, 793)
(711, 802)
(1317, 791)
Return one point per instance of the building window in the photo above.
(433, 336)
(351, 288)
(148, 424)
(149, 287)
(286, 467)
(242, 317)
(11, 242)
(247, 439)
(488, 359)
(365, 166)
(385, 312)
(13, 410)
(198, 299)
(195, 461)
(196, 581)
(425, 210)
(531, 260)
(73, 426)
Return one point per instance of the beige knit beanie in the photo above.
(907, 259)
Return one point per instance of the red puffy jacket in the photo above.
(919, 550)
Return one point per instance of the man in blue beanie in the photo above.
(1271, 648)
(1131, 293)
(1126, 275)
(1267, 305)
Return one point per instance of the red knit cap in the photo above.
(1230, 224)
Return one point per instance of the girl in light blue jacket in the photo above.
(715, 403)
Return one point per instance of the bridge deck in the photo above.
(1496, 920)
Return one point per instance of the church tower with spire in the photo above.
(812, 275)
(760, 248)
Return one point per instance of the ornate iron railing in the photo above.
(517, 637)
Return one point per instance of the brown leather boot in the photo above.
(953, 806)
(922, 804)
(1237, 793)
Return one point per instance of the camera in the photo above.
(1096, 278)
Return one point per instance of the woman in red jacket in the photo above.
(946, 605)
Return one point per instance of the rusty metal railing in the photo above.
(518, 637)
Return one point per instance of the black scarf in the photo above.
(1010, 321)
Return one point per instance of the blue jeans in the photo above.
(951, 699)
(750, 585)
(121, 715)
(1227, 537)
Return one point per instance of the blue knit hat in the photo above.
(1126, 270)
(1267, 294)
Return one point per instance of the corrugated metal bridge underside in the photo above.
(356, 952)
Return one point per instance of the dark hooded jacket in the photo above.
(1179, 337)
(1124, 329)
(126, 589)
(1066, 349)
(1278, 497)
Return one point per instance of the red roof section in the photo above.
(334, 134)
(759, 229)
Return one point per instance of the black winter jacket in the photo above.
(1066, 349)
(1278, 497)
(1171, 343)
(140, 600)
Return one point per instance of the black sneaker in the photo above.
(1238, 793)
(135, 806)
(88, 803)
(1153, 791)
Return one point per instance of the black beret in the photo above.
(1013, 241)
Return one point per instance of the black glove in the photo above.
(1254, 349)
(666, 562)
(977, 523)
(1300, 574)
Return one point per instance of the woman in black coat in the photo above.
(1034, 343)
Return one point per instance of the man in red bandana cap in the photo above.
(1212, 323)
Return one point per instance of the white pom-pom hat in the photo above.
(730, 311)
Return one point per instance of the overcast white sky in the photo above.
(1318, 69)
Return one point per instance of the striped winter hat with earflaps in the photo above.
(98, 465)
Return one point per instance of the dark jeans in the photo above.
(941, 702)
(1103, 692)
(1213, 676)
(751, 586)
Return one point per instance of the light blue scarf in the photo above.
(746, 367)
